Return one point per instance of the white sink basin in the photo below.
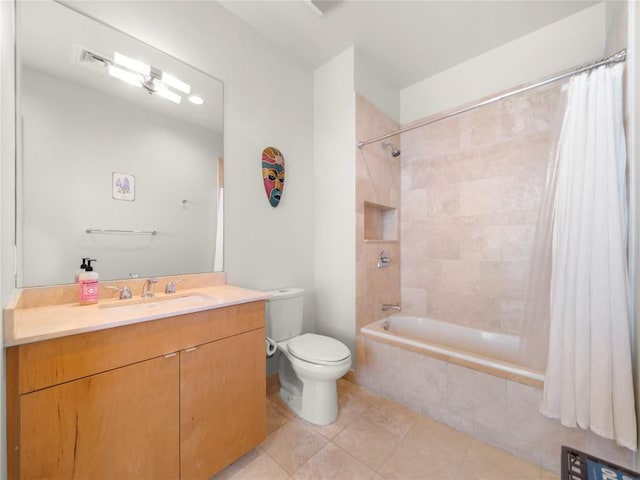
(170, 304)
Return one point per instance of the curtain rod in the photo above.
(615, 58)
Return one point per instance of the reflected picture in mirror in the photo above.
(93, 101)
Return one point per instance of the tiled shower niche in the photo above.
(380, 223)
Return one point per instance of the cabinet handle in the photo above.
(169, 355)
(187, 350)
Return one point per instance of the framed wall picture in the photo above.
(124, 186)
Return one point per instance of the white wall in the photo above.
(334, 114)
(7, 174)
(268, 102)
(74, 139)
(374, 87)
(572, 41)
(616, 21)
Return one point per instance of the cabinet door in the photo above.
(118, 424)
(222, 403)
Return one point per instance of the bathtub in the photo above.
(488, 351)
(469, 379)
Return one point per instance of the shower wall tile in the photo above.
(524, 191)
(533, 112)
(444, 305)
(533, 436)
(414, 301)
(480, 178)
(516, 242)
(482, 243)
(439, 138)
(424, 384)
(481, 197)
(415, 274)
(480, 311)
(419, 174)
(510, 314)
(460, 392)
(414, 244)
(609, 450)
(445, 171)
(378, 183)
(443, 244)
(489, 408)
(414, 207)
(481, 126)
(459, 276)
(442, 200)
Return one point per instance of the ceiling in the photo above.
(405, 41)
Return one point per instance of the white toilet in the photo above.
(309, 364)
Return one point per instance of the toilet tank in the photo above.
(284, 313)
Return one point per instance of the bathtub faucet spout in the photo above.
(390, 306)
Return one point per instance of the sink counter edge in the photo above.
(27, 325)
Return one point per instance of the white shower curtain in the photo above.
(588, 380)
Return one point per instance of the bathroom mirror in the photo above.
(109, 165)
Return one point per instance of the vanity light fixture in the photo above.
(125, 75)
(176, 83)
(151, 79)
(131, 64)
(164, 92)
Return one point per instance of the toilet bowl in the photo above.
(309, 366)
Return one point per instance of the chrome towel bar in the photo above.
(139, 232)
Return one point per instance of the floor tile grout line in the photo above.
(464, 457)
(368, 403)
(276, 462)
(357, 460)
(309, 459)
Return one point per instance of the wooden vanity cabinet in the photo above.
(118, 424)
(222, 402)
(179, 397)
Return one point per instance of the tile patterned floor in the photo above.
(373, 438)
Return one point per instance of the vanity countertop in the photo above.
(26, 325)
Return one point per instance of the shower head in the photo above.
(395, 151)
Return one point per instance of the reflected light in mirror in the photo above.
(131, 64)
(164, 92)
(196, 100)
(176, 83)
(124, 75)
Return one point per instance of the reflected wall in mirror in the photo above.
(78, 124)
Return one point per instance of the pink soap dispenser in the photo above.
(81, 269)
(88, 284)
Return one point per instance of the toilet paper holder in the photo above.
(270, 346)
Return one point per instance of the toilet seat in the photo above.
(318, 349)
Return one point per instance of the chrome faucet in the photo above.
(147, 289)
(125, 292)
(384, 260)
(171, 286)
(390, 306)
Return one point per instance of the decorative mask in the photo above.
(273, 174)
